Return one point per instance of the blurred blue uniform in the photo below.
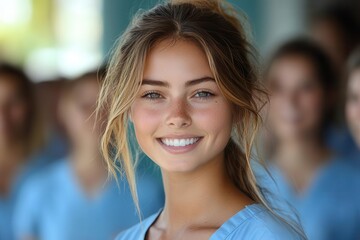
(53, 206)
(253, 222)
(340, 140)
(7, 203)
(330, 207)
(56, 148)
(354, 158)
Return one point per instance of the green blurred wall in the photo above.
(117, 15)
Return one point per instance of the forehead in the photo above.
(84, 89)
(292, 67)
(9, 84)
(176, 61)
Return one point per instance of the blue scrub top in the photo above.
(7, 203)
(54, 206)
(330, 207)
(354, 158)
(339, 140)
(253, 222)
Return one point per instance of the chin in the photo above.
(177, 166)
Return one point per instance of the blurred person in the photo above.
(352, 107)
(337, 31)
(20, 140)
(48, 94)
(317, 182)
(72, 199)
(184, 76)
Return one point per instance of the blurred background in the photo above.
(51, 54)
(43, 37)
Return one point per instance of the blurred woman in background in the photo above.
(310, 176)
(71, 199)
(20, 140)
(335, 29)
(352, 108)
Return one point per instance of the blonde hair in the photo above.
(214, 25)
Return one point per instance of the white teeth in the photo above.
(179, 142)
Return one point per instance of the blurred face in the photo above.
(13, 110)
(181, 119)
(297, 98)
(353, 105)
(77, 109)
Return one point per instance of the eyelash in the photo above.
(147, 95)
(150, 95)
(208, 94)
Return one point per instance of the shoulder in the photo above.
(130, 234)
(258, 223)
(44, 180)
(139, 230)
(51, 172)
(342, 172)
(33, 197)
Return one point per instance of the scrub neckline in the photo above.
(224, 230)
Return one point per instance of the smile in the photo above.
(179, 145)
(179, 142)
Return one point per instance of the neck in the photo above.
(12, 153)
(88, 168)
(300, 160)
(205, 196)
(11, 158)
(302, 152)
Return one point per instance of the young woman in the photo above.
(321, 186)
(71, 199)
(352, 107)
(183, 76)
(20, 140)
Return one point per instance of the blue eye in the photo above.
(151, 95)
(203, 94)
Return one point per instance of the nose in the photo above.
(178, 116)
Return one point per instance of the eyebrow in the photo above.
(166, 84)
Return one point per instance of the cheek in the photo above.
(275, 108)
(145, 119)
(75, 121)
(18, 113)
(313, 107)
(215, 120)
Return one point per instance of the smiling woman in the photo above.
(183, 74)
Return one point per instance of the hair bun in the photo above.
(220, 7)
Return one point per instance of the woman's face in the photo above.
(181, 119)
(297, 101)
(14, 110)
(353, 105)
